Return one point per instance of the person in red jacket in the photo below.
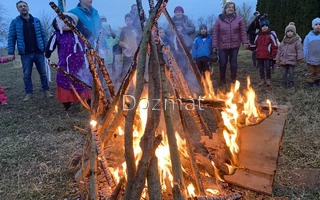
(3, 96)
(267, 48)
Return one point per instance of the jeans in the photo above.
(27, 61)
(232, 56)
(287, 69)
(265, 68)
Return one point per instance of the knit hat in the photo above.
(256, 13)
(291, 27)
(315, 21)
(265, 23)
(178, 8)
(203, 26)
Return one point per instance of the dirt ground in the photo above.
(38, 138)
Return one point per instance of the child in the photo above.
(162, 34)
(201, 50)
(3, 96)
(290, 51)
(311, 49)
(266, 48)
(71, 54)
(129, 40)
(111, 40)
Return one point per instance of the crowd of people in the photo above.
(229, 33)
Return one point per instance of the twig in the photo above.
(72, 77)
(84, 103)
(81, 129)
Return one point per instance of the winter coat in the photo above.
(252, 29)
(229, 33)
(311, 48)
(130, 37)
(71, 54)
(202, 46)
(91, 20)
(289, 51)
(16, 35)
(188, 26)
(266, 45)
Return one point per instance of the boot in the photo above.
(317, 83)
(262, 82)
(283, 84)
(27, 98)
(310, 85)
(291, 84)
(67, 105)
(269, 82)
(47, 94)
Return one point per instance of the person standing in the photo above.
(28, 33)
(90, 18)
(311, 50)
(289, 52)
(201, 50)
(252, 31)
(71, 52)
(267, 48)
(228, 33)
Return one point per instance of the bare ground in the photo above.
(38, 138)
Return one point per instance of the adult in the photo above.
(185, 29)
(252, 31)
(136, 18)
(28, 33)
(188, 27)
(228, 34)
(90, 18)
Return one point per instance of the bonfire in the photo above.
(164, 158)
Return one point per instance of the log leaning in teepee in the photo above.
(72, 77)
(129, 153)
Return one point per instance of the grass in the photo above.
(38, 139)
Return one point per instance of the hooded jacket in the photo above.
(311, 48)
(202, 46)
(16, 35)
(229, 33)
(289, 51)
(188, 26)
(267, 46)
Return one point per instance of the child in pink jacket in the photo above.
(289, 52)
(3, 96)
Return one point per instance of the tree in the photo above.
(245, 11)
(4, 24)
(46, 21)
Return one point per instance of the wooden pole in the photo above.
(129, 153)
(187, 53)
(151, 126)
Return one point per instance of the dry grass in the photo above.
(38, 139)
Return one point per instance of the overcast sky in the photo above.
(115, 10)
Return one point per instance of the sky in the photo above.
(115, 10)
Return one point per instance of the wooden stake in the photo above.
(129, 153)
(84, 103)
